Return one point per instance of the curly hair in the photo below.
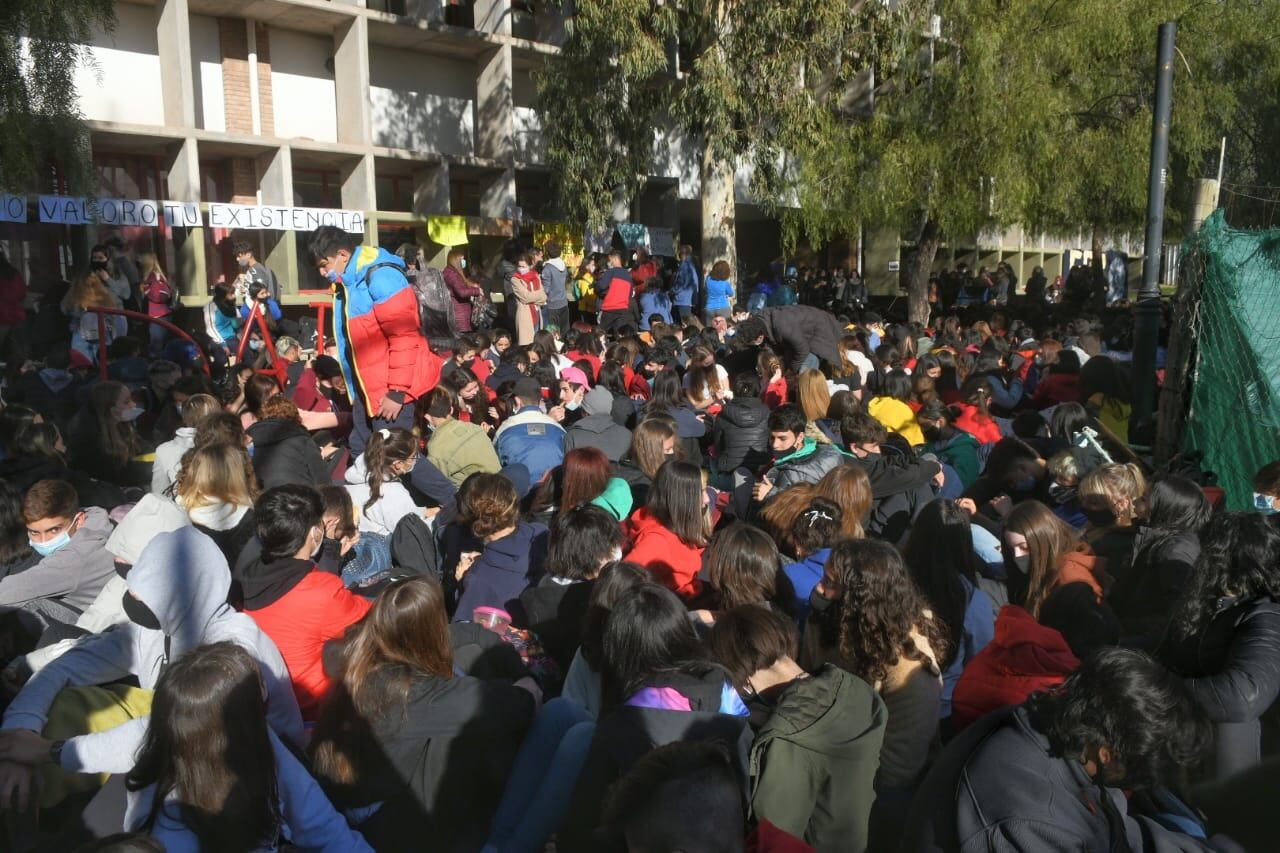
(1239, 558)
(878, 608)
(1123, 700)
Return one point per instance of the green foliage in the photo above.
(40, 122)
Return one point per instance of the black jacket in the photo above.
(741, 435)
(625, 734)
(900, 487)
(438, 762)
(999, 786)
(803, 329)
(1144, 597)
(554, 611)
(602, 432)
(1233, 668)
(283, 453)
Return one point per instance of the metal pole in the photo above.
(1146, 314)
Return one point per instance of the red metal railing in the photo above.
(136, 315)
(277, 367)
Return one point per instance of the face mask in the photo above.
(57, 543)
(130, 414)
(522, 270)
(97, 266)
(572, 405)
(616, 556)
(244, 265)
(1264, 504)
(818, 602)
(1061, 494)
(1023, 563)
(255, 345)
(932, 434)
(315, 554)
(139, 613)
(332, 276)
(1024, 484)
(1100, 517)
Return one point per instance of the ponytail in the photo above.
(386, 447)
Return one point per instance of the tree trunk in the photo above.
(922, 264)
(1099, 269)
(719, 223)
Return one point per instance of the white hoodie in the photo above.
(169, 459)
(183, 578)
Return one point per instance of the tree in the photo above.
(739, 79)
(41, 44)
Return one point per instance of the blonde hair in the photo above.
(1116, 487)
(1065, 466)
(87, 291)
(148, 263)
(813, 395)
(218, 473)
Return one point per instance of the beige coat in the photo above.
(529, 294)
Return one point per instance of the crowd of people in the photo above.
(650, 563)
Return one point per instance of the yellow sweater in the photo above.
(896, 417)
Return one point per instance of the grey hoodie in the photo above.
(73, 575)
(183, 578)
(554, 276)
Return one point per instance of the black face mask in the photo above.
(139, 613)
(818, 602)
(1100, 517)
(932, 434)
(1062, 494)
(1023, 563)
(97, 265)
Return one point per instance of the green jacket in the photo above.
(814, 761)
(961, 453)
(461, 449)
(616, 498)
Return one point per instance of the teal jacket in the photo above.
(961, 453)
(814, 761)
(616, 498)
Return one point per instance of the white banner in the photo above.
(181, 214)
(64, 210)
(131, 212)
(13, 208)
(123, 212)
(662, 242)
(271, 217)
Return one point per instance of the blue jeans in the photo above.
(158, 335)
(542, 779)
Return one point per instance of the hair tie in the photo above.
(385, 433)
(812, 516)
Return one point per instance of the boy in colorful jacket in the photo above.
(385, 360)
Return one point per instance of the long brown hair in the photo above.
(117, 439)
(743, 564)
(878, 608)
(1049, 540)
(387, 447)
(676, 501)
(403, 637)
(813, 395)
(208, 748)
(848, 487)
(780, 513)
(646, 444)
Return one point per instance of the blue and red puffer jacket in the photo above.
(375, 327)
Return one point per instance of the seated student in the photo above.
(1041, 552)
(382, 500)
(940, 557)
(74, 564)
(321, 392)
(669, 533)
(216, 488)
(597, 427)
(294, 603)
(742, 566)
(1057, 772)
(869, 618)
(103, 439)
(529, 437)
(428, 761)
(245, 795)
(283, 451)
(177, 600)
(164, 471)
(815, 530)
(891, 407)
(16, 553)
(584, 540)
(653, 442)
(584, 477)
(513, 551)
(660, 688)
(796, 459)
(261, 302)
(951, 445)
(900, 485)
(1112, 497)
(817, 747)
(457, 448)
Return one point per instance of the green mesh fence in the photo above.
(1234, 418)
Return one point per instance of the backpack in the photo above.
(435, 303)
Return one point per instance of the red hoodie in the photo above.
(1024, 657)
(674, 564)
(986, 430)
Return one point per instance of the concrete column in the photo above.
(431, 190)
(277, 188)
(351, 82)
(173, 41)
(493, 16)
(495, 106)
(359, 192)
(498, 195)
(188, 243)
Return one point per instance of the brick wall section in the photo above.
(266, 107)
(234, 43)
(244, 181)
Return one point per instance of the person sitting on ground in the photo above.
(375, 481)
(513, 553)
(168, 464)
(217, 489)
(670, 532)
(530, 437)
(598, 428)
(283, 452)
(796, 459)
(294, 603)
(900, 485)
(817, 748)
(1041, 552)
(458, 449)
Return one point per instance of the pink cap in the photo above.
(575, 376)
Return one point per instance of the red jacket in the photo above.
(318, 609)
(776, 393)
(986, 430)
(643, 273)
(308, 397)
(1057, 388)
(614, 289)
(1024, 657)
(12, 291)
(674, 564)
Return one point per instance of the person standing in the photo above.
(529, 297)
(461, 289)
(386, 362)
(160, 297)
(614, 290)
(684, 292)
(555, 277)
(253, 271)
(124, 278)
